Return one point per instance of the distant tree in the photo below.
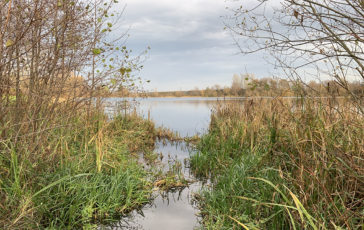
(227, 91)
(236, 85)
(197, 92)
(307, 38)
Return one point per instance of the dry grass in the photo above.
(80, 174)
(315, 145)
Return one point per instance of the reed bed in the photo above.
(80, 175)
(283, 164)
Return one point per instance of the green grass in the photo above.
(85, 199)
(83, 175)
(274, 167)
(230, 164)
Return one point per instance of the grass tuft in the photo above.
(82, 175)
(283, 164)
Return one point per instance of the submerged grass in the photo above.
(172, 177)
(164, 133)
(283, 164)
(83, 175)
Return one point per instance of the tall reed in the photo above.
(83, 174)
(309, 149)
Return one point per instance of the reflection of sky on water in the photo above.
(187, 116)
(172, 210)
(176, 151)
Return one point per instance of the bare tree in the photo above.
(54, 56)
(43, 44)
(307, 38)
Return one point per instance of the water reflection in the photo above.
(169, 210)
(173, 211)
(187, 116)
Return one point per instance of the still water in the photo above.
(187, 116)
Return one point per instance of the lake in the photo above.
(187, 116)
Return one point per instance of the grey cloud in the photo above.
(189, 46)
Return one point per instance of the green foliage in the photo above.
(230, 163)
(9, 42)
(96, 51)
(282, 164)
(96, 197)
(115, 67)
(86, 175)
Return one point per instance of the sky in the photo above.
(189, 47)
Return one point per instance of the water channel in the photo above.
(187, 116)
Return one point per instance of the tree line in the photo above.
(246, 85)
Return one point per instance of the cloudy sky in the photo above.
(189, 47)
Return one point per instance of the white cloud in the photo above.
(189, 45)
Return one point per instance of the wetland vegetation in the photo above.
(282, 164)
(263, 153)
(64, 162)
(82, 176)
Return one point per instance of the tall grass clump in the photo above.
(283, 164)
(63, 163)
(83, 174)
